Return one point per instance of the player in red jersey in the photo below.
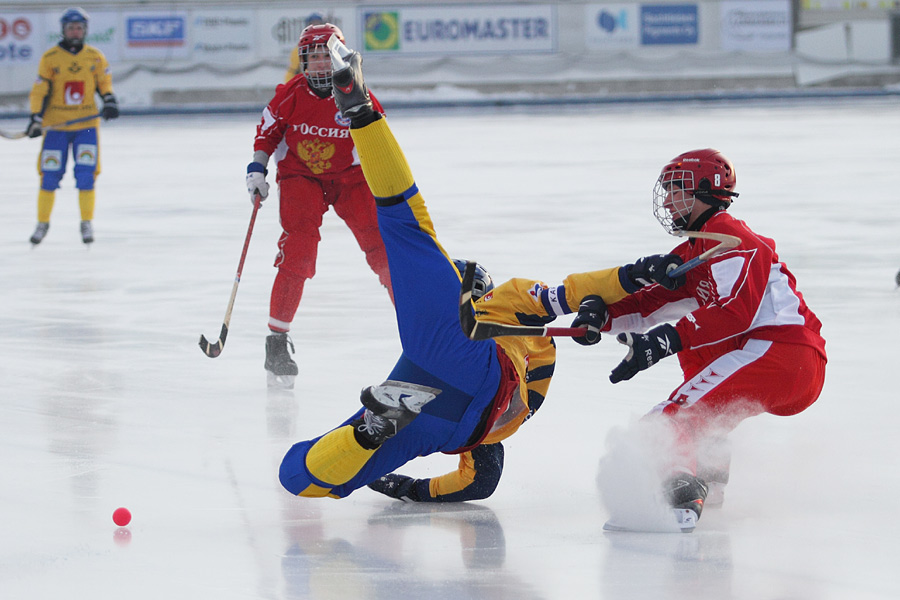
(317, 168)
(746, 340)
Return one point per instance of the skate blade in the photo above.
(280, 382)
(685, 521)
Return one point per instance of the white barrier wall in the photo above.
(170, 50)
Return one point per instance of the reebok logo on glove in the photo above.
(645, 350)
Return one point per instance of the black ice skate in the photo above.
(390, 407)
(686, 494)
(87, 232)
(350, 93)
(39, 233)
(280, 367)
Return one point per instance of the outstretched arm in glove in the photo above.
(592, 315)
(477, 478)
(645, 350)
(649, 270)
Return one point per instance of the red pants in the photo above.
(762, 376)
(303, 203)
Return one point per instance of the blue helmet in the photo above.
(483, 282)
(74, 15)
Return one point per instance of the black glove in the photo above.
(652, 269)
(33, 129)
(645, 350)
(396, 486)
(110, 108)
(593, 314)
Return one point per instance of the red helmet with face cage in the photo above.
(705, 175)
(314, 38)
(712, 173)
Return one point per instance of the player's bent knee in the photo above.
(489, 468)
(292, 473)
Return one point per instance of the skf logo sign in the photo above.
(382, 31)
(12, 34)
(155, 31)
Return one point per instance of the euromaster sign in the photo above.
(459, 29)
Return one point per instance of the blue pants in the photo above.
(55, 154)
(436, 353)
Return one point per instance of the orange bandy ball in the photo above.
(122, 517)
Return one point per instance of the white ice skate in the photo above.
(671, 520)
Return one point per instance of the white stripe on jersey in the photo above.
(726, 273)
(718, 371)
(779, 305)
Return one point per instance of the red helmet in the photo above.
(705, 175)
(315, 38)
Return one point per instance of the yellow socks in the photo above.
(86, 203)
(45, 205)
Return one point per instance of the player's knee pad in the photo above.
(85, 165)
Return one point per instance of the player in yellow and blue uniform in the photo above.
(69, 75)
(446, 393)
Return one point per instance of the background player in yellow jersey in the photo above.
(69, 75)
(294, 63)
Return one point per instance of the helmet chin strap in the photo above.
(715, 206)
(318, 91)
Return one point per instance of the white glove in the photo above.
(256, 181)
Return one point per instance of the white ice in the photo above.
(107, 400)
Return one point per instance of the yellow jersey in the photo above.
(294, 66)
(67, 84)
(517, 302)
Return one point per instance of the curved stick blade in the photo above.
(18, 135)
(214, 350)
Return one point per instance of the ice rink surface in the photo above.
(107, 401)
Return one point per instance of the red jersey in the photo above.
(740, 294)
(306, 133)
